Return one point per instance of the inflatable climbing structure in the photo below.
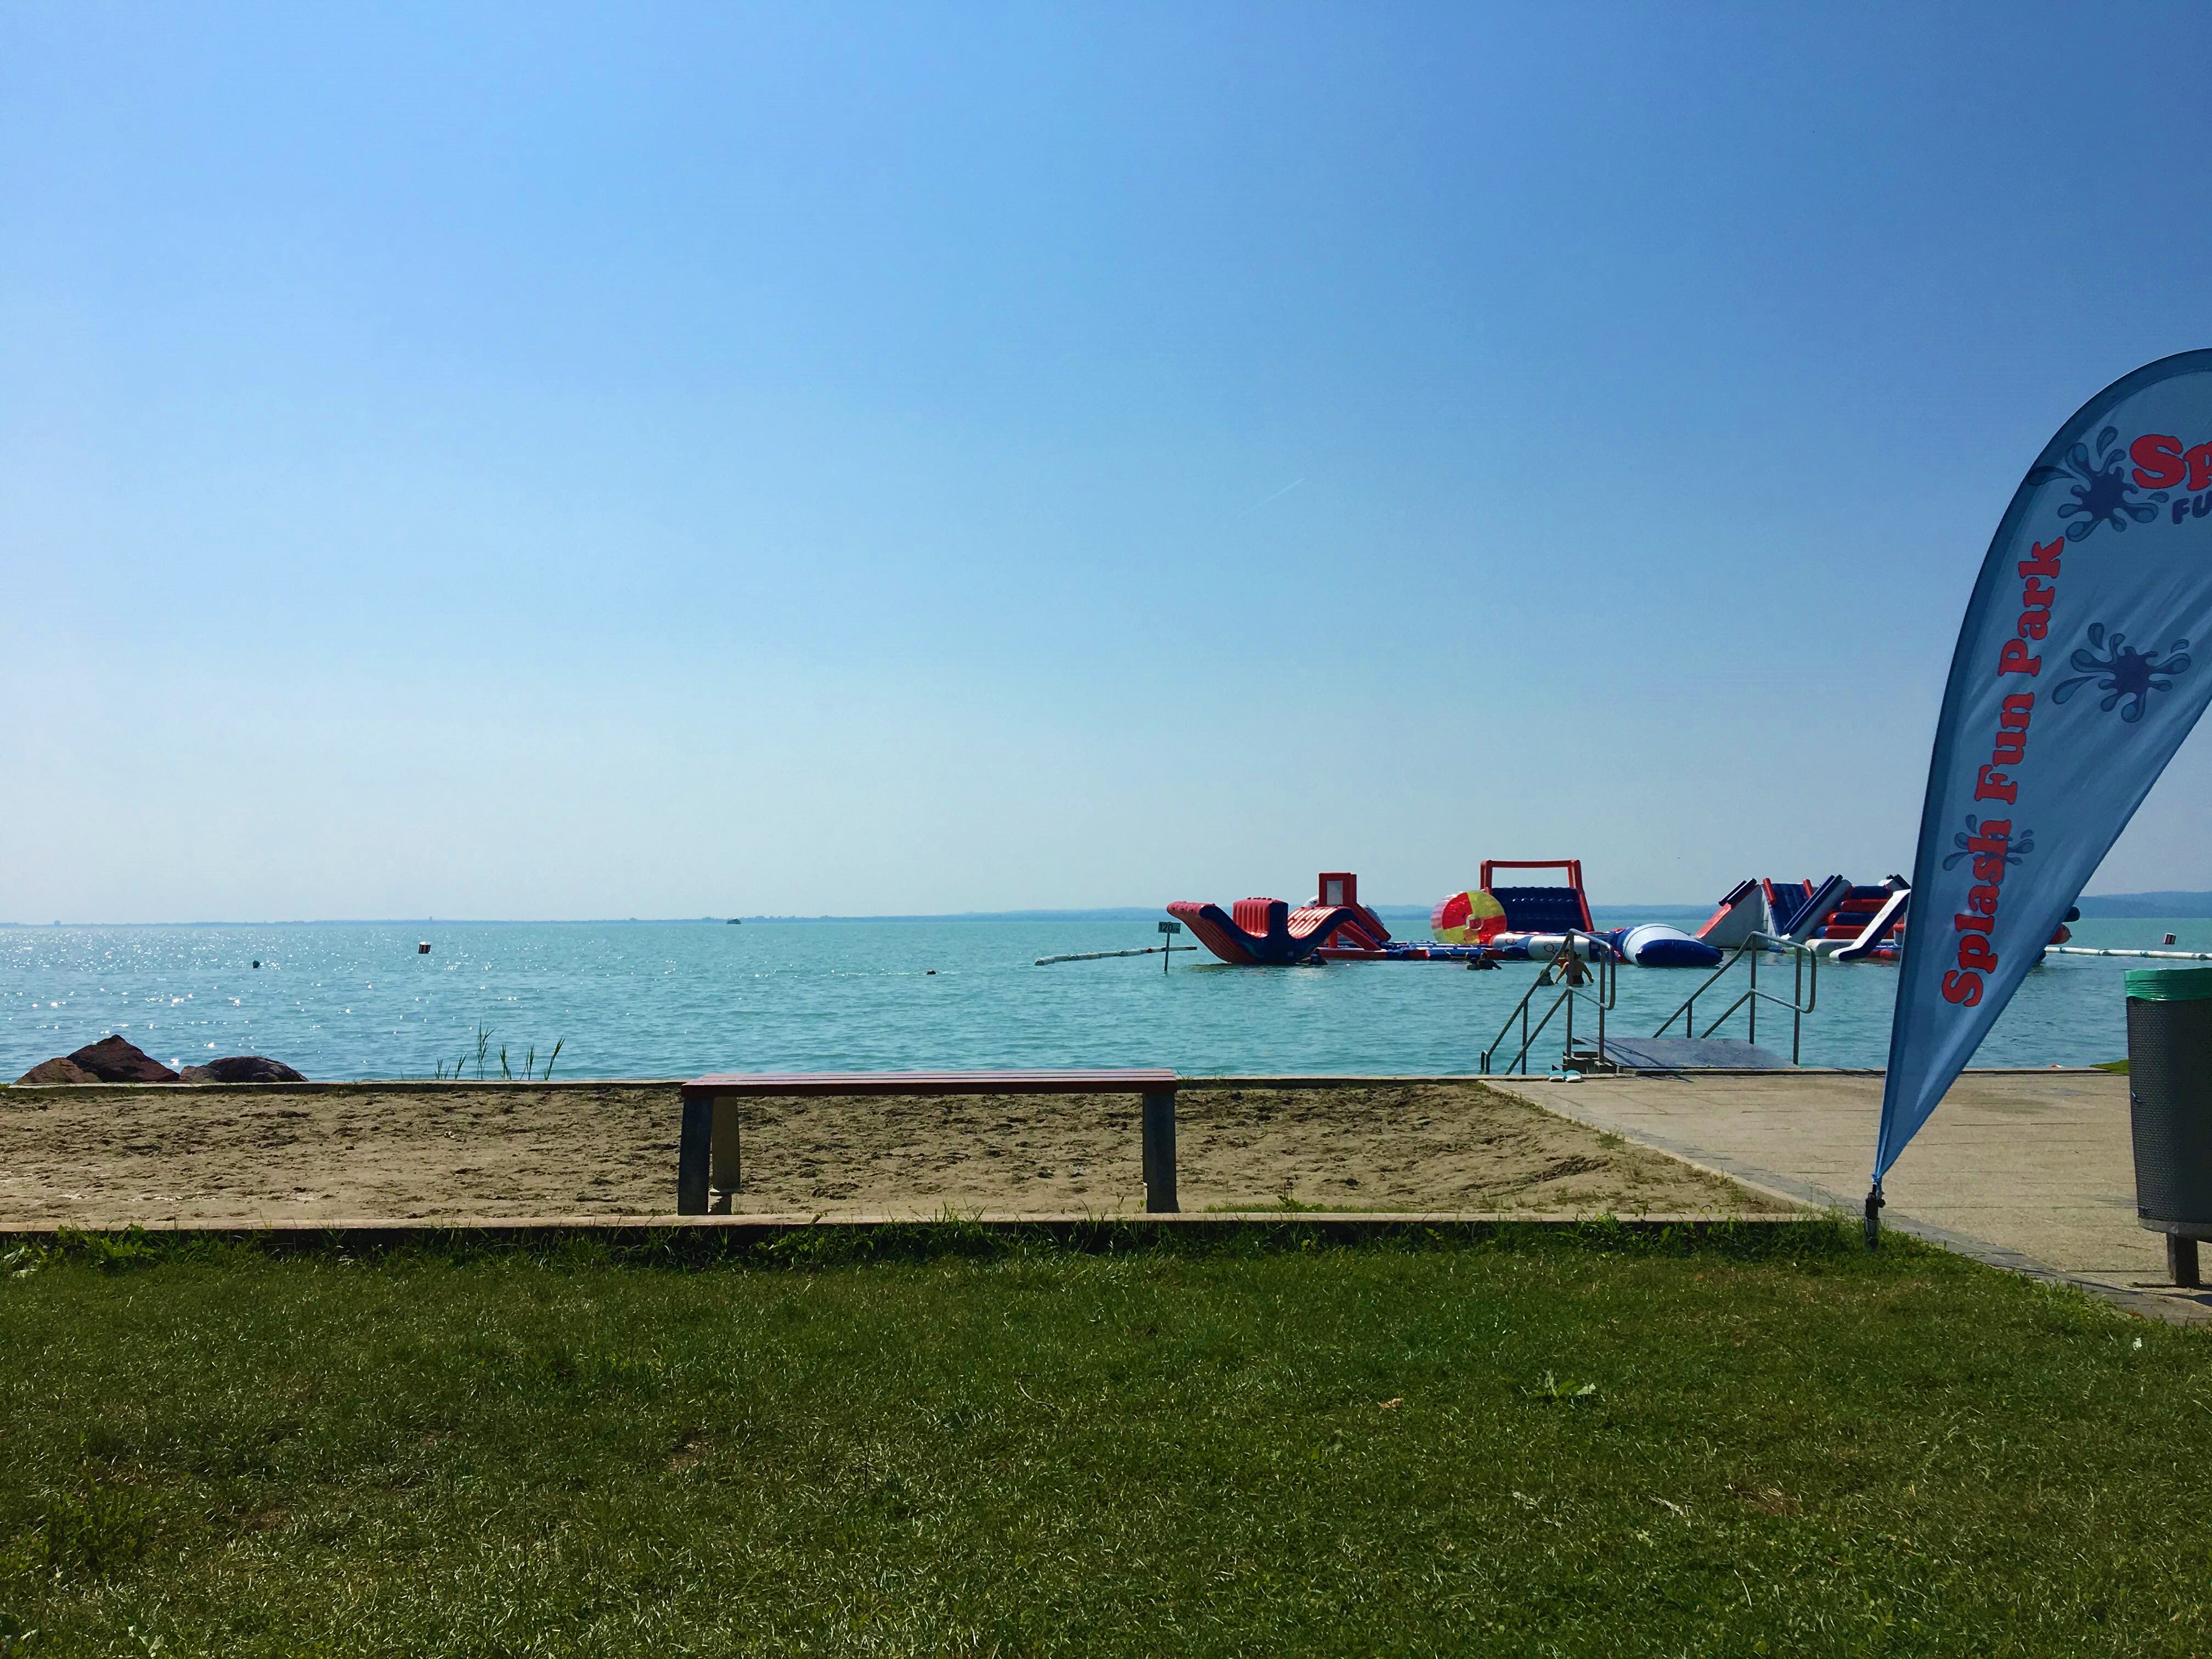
(1266, 932)
(1849, 922)
(1795, 910)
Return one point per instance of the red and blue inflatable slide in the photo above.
(1266, 932)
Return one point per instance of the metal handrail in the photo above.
(1804, 992)
(1605, 963)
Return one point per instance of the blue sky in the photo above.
(625, 461)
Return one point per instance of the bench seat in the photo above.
(717, 1084)
(708, 1153)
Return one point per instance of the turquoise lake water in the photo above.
(676, 999)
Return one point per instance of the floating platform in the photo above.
(1398, 950)
(1691, 1054)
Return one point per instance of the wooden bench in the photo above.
(709, 1156)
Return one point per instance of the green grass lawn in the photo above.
(1507, 1441)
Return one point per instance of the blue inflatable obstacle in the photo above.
(1648, 945)
(1652, 946)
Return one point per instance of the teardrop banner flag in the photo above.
(2074, 682)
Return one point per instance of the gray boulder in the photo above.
(242, 1068)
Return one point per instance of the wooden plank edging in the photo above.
(773, 1224)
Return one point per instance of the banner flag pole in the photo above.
(2071, 687)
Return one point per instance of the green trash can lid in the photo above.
(2169, 984)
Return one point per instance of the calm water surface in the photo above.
(652, 1000)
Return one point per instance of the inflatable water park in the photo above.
(1836, 919)
(1488, 923)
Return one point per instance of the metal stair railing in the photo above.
(1599, 994)
(1803, 993)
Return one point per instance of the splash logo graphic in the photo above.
(2125, 674)
(2102, 493)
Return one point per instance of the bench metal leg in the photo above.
(729, 1152)
(2181, 1260)
(1160, 1153)
(692, 1153)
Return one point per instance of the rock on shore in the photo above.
(242, 1068)
(112, 1059)
(57, 1071)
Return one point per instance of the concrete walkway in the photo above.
(2029, 1171)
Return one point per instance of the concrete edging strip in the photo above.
(1311, 1081)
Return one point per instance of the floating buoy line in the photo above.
(1100, 956)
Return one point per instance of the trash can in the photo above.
(2170, 1107)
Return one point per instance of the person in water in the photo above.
(1567, 965)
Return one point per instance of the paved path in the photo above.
(2032, 1170)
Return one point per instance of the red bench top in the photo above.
(930, 1083)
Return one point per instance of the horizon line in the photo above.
(1101, 910)
(1114, 911)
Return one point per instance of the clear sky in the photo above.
(560, 461)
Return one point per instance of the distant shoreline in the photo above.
(1117, 913)
(2149, 907)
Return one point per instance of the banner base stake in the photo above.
(1874, 1203)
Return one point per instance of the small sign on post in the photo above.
(1167, 946)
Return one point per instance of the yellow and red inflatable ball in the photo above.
(1467, 918)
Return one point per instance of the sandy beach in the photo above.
(111, 1156)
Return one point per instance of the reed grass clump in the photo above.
(484, 1061)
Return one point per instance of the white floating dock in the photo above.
(2161, 956)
